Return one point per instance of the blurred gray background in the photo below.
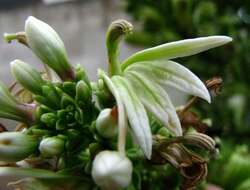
(81, 25)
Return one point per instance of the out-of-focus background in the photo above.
(82, 25)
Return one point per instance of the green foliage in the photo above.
(164, 21)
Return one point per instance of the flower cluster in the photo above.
(79, 134)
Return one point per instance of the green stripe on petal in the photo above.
(172, 74)
(137, 115)
(156, 101)
(177, 49)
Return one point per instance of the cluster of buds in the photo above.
(75, 132)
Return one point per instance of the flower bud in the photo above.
(111, 170)
(16, 146)
(27, 76)
(12, 109)
(47, 45)
(83, 92)
(106, 123)
(51, 146)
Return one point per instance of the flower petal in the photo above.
(176, 49)
(121, 111)
(137, 115)
(170, 73)
(156, 100)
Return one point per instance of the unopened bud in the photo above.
(83, 92)
(51, 146)
(16, 146)
(111, 170)
(106, 123)
(48, 46)
(27, 76)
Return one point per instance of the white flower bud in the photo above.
(48, 46)
(106, 123)
(16, 146)
(111, 170)
(51, 146)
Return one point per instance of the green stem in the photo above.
(19, 36)
(116, 31)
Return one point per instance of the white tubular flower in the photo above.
(106, 123)
(111, 170)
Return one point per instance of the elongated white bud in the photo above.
(16, 146)
(106, 123)
(27, 76)
(48, 46)
(111, 170)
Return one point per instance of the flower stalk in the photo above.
(116, 31)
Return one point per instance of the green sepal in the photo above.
(49, 119)
(69, 88)
(82, 75)
(83, 92)
(60, 124)
(42, 109)
(66, 101)
(51, 94)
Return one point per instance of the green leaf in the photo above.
(32, 172)
(137, 115)
(169, 73)
(156, 101)
(177, 49)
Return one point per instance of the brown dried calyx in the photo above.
(191, 166)
(189, 118)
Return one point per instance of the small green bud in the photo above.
(48, 46)
(106, 123)
(51, 94)
(49, 119)
(111, 170)
(27, 76)
(81, 74)
(69, 88)
(51, 146)
(16, 146)
(83, 92)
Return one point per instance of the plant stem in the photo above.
(116, 31)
